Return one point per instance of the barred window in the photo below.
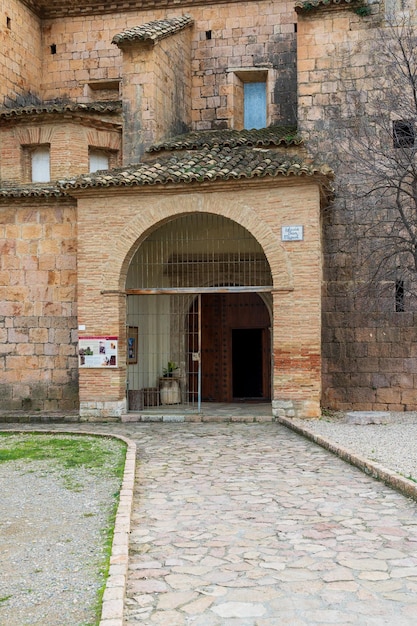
(403, 134)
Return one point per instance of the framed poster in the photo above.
(97, 351)
(132, 344)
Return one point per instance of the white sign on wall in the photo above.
(97, 351)
(292, 233)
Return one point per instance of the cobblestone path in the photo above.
(251, 525)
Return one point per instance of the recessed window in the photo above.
(399, 296)
(254, 105)
(99, 160)
(40, 168)
(208, 34)
(53, 48)
(8, 23)
(403, 134)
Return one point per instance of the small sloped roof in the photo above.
(205, 164)
(111, 106)
(198, 157)
(303, 6)
(153, 31)
(271, 136)
(31, 190)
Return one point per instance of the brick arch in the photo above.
(138, 229)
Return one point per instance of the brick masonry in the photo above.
(69, 143)
(104, 255)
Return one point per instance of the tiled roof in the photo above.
(272, 136)
(205, 164)
(304, 6)
(111, 106)
(153, 31)
(31, 191)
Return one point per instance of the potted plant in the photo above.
(168, 371)
(170, 391)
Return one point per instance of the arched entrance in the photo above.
(199, 301)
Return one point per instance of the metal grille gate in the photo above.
(172, 268)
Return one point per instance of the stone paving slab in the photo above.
(253, 525)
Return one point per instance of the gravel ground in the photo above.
(51, 542)
(391, 442)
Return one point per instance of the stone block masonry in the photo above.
(21, 66)
(369, 361)
(38, 325)
(368, 347)
(223, 37)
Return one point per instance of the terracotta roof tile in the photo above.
(206, 164)
(304, 6)
(111, 106)
(272, 136)
(153, 31)
(31, 191)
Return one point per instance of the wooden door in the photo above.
(234, 332)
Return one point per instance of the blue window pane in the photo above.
(254, 114)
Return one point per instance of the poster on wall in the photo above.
(97, 351)
(132, 344)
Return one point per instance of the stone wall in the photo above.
(369, 361)
(368, 348)
(21, 57)
(224, 37)
(156, 90)
(38, 324)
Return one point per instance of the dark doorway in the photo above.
(235, 348)
(247, 363)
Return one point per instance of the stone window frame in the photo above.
(238, 77)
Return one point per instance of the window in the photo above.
(250, 97)
(254, 105)
(99, 160)
(403, 134)
(39, 161)
(399, 296)
(107, 90)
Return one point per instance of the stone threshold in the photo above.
(195, 418)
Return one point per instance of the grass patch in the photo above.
(70, 451)
(66, 455)
(5, 598)
(409, 477)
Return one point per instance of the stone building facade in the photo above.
(165, 197)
